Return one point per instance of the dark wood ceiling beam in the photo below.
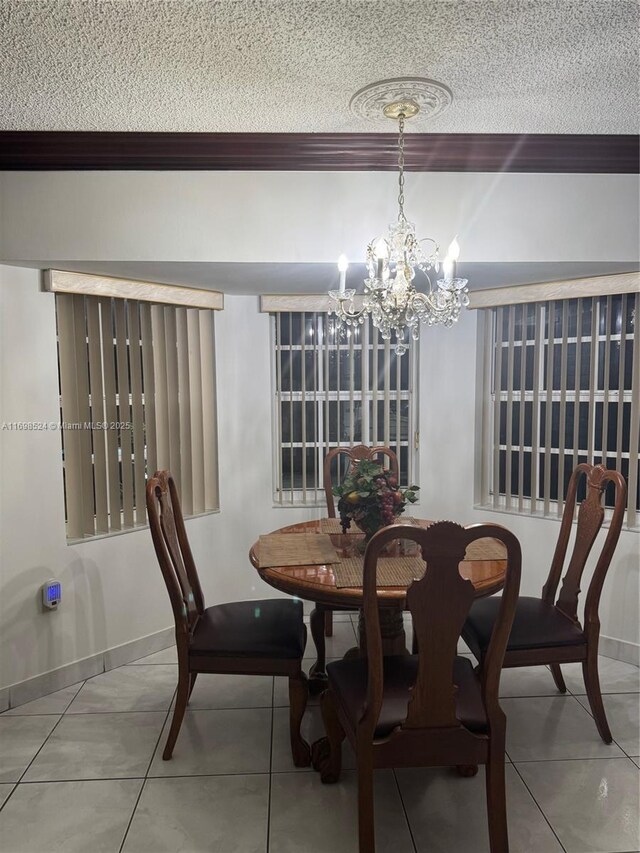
(433, 152)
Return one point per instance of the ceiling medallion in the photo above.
(428, 98)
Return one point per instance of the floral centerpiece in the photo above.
(369, 496)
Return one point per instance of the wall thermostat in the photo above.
(51, 594)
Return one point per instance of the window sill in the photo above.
(321, 504)
(540, 515)
(112, 533)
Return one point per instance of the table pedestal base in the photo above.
(394, 641)
(317, 674)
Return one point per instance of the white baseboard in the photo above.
(4, 699)
(72, 673)
(140, 648)
(64, 676)
(620, 650)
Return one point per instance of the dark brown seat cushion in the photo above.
(537, 625)
(348, 678)
(273, 628)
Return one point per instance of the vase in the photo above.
(369, 531)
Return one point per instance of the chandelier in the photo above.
(395, 262)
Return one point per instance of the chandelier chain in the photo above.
(401, 216)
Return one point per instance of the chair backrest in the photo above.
(439, 603)
(354, 455)
(173, 551)
(590, 518)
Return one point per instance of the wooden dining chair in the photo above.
(546, 630)
(430, 708)
(354, 455)
(243, 637)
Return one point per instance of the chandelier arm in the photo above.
(352, 315)
(341, 311)
(436, 309)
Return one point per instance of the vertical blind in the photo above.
(336, 388)
(562, 386)
(137, 393)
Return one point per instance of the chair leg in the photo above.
(298, 695)
(366, 825)
(182, 697)
(496, 797)
(328, 623)
(592, 683)
(327, 752)
(556, 672)
(192, 683)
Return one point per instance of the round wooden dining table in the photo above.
(317, 583)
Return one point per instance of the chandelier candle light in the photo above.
(393, 261)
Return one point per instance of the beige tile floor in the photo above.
(80, 770)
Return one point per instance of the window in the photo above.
(336, 387)
(137, 393)
(562, 386)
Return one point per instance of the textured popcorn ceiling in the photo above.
(514, 66)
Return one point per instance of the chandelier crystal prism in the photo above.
(395, 262)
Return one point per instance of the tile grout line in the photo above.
(150, 711)
(154, 711)
(73, 697)
(538, 696)
(146, 775)
(539, 807)
(42, 745)
(216, 775)
(588, 710)
(143, 778)
(133, 811)
(273, 693)
(88, 779)
(15, 786)
(580, 758)
(404, 809)
(18, 782)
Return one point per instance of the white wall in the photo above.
(310, 216)
(113, 592)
